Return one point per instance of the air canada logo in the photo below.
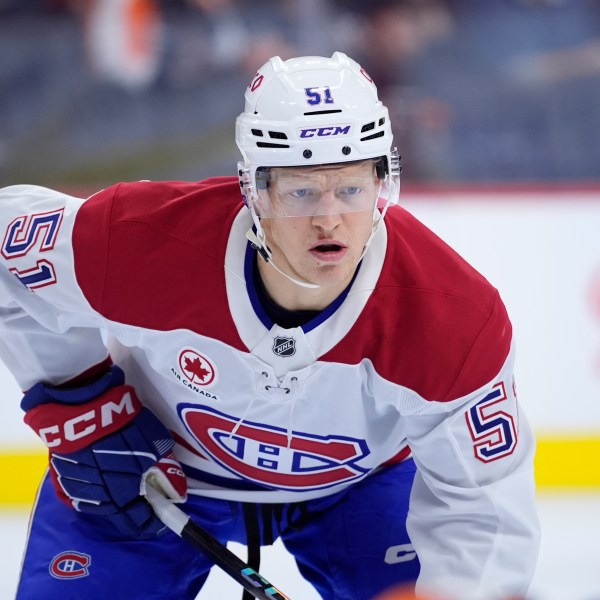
(70, 565)
(196, 368)
(283, 346)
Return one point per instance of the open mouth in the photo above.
(330, 251)
(328, 248)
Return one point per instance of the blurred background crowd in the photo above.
(480, 91)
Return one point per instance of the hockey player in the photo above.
(288, 351)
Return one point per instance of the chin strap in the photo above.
(377, 220)
(259, 243)
(261, 247)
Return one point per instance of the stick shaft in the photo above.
(236, 568)
(181, 523)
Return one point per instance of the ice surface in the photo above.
(568, 569)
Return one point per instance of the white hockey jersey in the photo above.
(415, 357)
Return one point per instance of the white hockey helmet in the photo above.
(314, 111)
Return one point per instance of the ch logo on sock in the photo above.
(70, 565)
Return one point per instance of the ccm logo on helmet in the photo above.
(325, 131)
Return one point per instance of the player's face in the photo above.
(332, 220)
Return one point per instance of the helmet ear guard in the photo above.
(262, 178)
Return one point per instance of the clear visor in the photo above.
(304, 192)
(289, 195)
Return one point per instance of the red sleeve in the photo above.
(152, 255)
(487, 353)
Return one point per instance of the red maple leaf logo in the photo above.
(195, 368)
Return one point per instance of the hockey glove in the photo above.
(103, 445)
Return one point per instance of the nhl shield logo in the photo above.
(283, 346)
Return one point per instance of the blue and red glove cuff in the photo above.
(69, 419)
(42, 393)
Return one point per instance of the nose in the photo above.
(327, 219)
(328, 213)
(326, 222)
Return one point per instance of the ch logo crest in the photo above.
(268, 456)
(284, 346)
(70, 565)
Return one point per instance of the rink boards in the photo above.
(541, 248)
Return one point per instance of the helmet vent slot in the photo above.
(277, 135)
(381, 121)
(368, 127)
(322, 112)
(373, 136)
(271, 145)
(257, 132)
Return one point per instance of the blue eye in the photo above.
(351, 190)
(301, 193)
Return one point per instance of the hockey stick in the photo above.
(183, 525)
